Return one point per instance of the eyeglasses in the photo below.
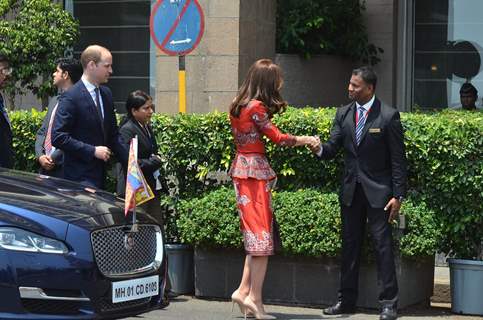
(6, 71)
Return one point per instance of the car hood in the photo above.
(47, 205)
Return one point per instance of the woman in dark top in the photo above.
(140, 108)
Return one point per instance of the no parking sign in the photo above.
(177, 26)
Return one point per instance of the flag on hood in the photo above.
(137, 190)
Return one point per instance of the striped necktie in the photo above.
(361, 120)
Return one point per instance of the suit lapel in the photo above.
(91, 103)
(152, 139)
(143, 138)
(104, 104)
(373, 114)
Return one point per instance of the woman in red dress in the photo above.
(257, 101)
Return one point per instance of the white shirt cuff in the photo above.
(319, 153)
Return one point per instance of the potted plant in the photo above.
(445, 152)
(464, 239)
(180, 255)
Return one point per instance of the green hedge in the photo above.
(444, 149)
(309, 223)
(24, 126)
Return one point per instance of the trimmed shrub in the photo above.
(444, 149)
(309, 223)
(24, 128)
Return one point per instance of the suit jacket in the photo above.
(6, 150)
(147, 148)
(379, 162)
(57, 155)
(77, 130)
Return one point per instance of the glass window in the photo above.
(122, 27)
(448, 51)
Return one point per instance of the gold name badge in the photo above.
(374, 130)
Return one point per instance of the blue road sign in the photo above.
(177, 26)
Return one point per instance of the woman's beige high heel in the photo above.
(235, 299)
(258, 314)
(238, 301)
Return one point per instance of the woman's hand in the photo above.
(314, 146)
(306, 141)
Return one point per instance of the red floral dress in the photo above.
(253, 177)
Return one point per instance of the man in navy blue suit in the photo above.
(6, 151)
(85, 126)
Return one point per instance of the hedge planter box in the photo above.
(180, 267)
(308, 281)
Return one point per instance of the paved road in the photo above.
(188, 308)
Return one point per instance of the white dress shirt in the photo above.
(366, 107)
(91, 88)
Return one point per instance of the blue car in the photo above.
(69, 252)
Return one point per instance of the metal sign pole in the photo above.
(182, 84)
(176, 27)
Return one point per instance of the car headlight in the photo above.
(21, 240)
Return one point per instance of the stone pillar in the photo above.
(379, 16)
(237, 33)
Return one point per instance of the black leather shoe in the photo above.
(339, 308)
(388, 313)
(171, 294)
(164, 302)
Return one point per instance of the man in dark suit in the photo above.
(6, 151)
(85, 126)
(51, 159)
(373, 188)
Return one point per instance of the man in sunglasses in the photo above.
(6, 151)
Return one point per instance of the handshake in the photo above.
(313, 142)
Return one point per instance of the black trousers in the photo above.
(354, 220)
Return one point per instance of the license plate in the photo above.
(135, 289)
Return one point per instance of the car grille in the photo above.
(104, 305)
(51, 306)
(115, 259)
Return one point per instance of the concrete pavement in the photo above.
(189, 308)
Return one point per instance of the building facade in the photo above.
(431, 47)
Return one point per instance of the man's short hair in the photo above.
(4, 59)
(468, 88)
(367, 74)
(91, 53)
(72, 66)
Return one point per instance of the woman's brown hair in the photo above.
(263, 83)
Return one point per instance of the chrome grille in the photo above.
(116, 259)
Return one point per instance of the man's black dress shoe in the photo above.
(339, 308)
(388, 313)
(171, 294)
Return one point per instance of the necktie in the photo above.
(48, 136)
(98, 102)
(98, 105)
(361, 120)
(4, 112)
